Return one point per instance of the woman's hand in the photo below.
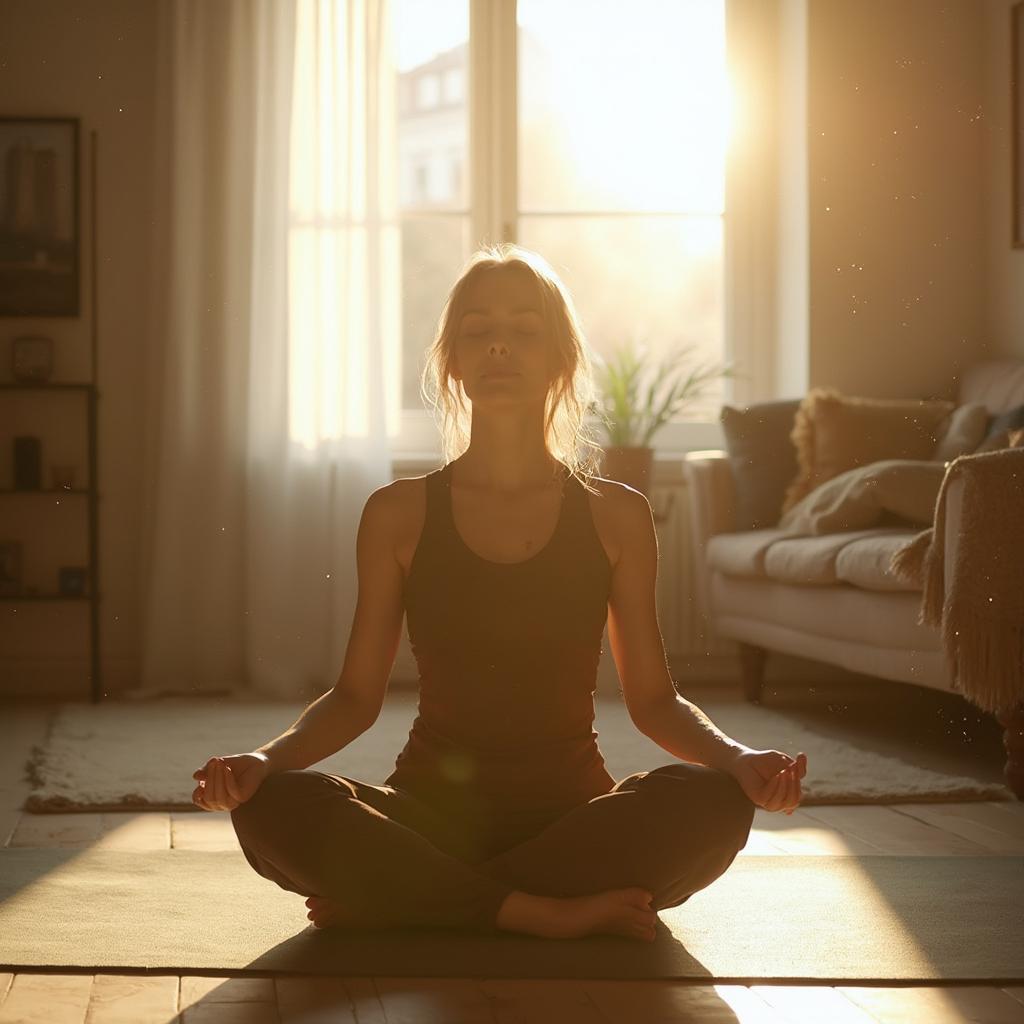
(226, 782)
(770, 778)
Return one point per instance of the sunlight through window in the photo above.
(624, 119)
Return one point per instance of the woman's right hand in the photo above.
(226, 782)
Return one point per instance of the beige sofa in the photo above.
(829, 598)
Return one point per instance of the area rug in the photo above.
(126, 756)
(788, 918)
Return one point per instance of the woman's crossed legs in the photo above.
(383, 858)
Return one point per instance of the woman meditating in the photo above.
(500, 813)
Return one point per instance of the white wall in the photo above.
(897, 132)
(1004, 278)
(793, 338)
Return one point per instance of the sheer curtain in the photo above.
(274, 377)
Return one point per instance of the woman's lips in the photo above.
(501, 373)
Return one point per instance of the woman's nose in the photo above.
(499, 345)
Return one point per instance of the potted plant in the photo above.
(638, 399)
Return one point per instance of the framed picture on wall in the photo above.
(39, 262)
(1017, 119)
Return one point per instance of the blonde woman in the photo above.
(500, 813)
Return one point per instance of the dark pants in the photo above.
(390, 860)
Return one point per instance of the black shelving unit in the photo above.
(90, 493)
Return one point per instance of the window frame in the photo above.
(491, 94)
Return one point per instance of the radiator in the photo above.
(682, 625)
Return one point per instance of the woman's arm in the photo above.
(655, 707)
(658, 711)
(347, 710)
(327, 725)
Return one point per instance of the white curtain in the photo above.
(273, 377)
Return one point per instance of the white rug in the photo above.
(122, 756)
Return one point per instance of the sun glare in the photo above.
(639, 102)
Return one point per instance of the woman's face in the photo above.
(503, 351)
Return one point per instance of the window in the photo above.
(599, 140)
(455, 170)
(421, 184)
(428, 91)
(452, 87)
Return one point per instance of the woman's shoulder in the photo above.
(617, 511)
(399, 496)
(617, 496)
(401, 507)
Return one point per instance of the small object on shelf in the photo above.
(10, 568)
(32, 358)
(27, 464)
(63, 477)
(72, 581)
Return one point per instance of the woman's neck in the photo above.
(512, 473)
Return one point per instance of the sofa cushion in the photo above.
(1001, 431)
(834, 433)
(865, 562)
(967, 429)
(903, 488)
(997, 383)
(841, 612)
(741, 554)
(762, 458)
(811, 560)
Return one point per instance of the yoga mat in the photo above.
(124, 756)
(786, 918)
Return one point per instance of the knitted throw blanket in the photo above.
(980, 610)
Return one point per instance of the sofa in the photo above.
(832, 597)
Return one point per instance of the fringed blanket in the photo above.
(980, 610)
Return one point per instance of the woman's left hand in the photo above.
(770, 778)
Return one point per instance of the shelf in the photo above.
(45, 490)
(87, 576)
(8, 386)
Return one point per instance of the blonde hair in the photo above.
(572, 394)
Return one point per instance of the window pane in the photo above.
(433, 252)
(622, 105)
(431, 46)
(432, 53)
(655, 280)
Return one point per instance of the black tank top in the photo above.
(507, 656)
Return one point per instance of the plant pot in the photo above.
(630, 465)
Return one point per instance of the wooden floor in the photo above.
(971, 829)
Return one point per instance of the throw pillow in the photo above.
(1000, 429)
(762, 458)
(867, 496)
(834, 433)
(967, 428)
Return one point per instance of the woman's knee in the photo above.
(742, 807)
(711, 797)
(733, 809)
(278, 802)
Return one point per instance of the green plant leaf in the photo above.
(637, 400)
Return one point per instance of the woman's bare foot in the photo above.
(322, 912)
(612, 912)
